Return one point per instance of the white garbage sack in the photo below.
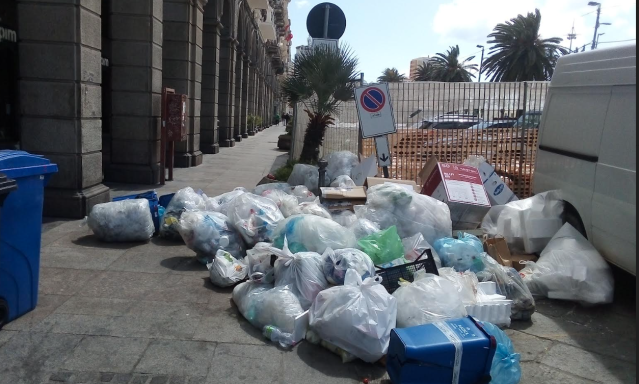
(226, 271)
(390, 204)
(344, 218)
(466, 284)
(122, 221)
(415, 246)
(364, 228)
(284, 187)
(184, 200)
(341, 164)
(263, 305)
(302, 272)
(307, 175)
(343, 182)
(288, 204)
(336, 263)
(429, 299)
(314, 208)
(208, 232)
(570, 268)
(255, 217)
(224, 200)
(357, 316)
(259, 263)
(310, 233)
(303, 194)
(527, 225)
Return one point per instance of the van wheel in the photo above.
(4, 313)
(572, 217)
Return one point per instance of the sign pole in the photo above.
(327, 16)
(383, 154)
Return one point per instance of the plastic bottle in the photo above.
(276, 335)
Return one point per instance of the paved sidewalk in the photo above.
(146, 313)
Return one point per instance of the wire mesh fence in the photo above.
(452, 121)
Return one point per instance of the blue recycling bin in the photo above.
(21, 231)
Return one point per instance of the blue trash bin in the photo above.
(21, 232)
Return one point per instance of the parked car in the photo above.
(495, 124)
(450, 121)
(587, 148)
(529, 120)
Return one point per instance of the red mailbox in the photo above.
(176, 117)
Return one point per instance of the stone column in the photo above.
(60, 100)
(136, 83)
(252, 94)
(182, 60)
(239, 82)
(245, 98)
(210, 80)
(227, 90)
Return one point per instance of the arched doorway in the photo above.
(9, 132)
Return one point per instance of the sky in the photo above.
(386, 34)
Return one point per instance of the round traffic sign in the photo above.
(373, 100)
(317, 18)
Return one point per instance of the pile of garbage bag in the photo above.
(254, 217)
(226, 271)
(122, 221)
(337, 263)
(310, 233)
(263, 305)
(306, 175)
(462, 254)
(208, 232)
(185, 200)
(340, 165)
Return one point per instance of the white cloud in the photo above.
(301, 3)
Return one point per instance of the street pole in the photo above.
(481, 65)
(594, 39)
(327, 16)
(572, 36)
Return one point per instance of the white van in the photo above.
(587, 148)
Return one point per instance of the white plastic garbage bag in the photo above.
(263, 305)
(122, 221)
(226, 271)
(208, 232)
(255, 217)
(314, 208)
(466, 284)
(390, 204)
(259, 263)
(364, 228)
(336, 263)
(284, 187)
(302, 272)
(427, 300)
(186, 199)
(288, 204)
(344, 218)
(303, 194)
(415, 246)
(527, 225)
(343, 182)
(341, 164)
(309, 233)
(226, 199)
(307, 175)
(570, 268)
(357, 316)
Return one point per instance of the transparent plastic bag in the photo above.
(309, 233)
(226, 199)
(288, 204)
(509, 284)
(390, 204)
(415, 246)
(262, 305)
(314, 208)
(363, 228)
(343, 182)
(226, 271)
(302, 272)
(341, 164)
(505, 368)
(462, 253)
(259, 263)
(284, 187)
(465, 282)
(570, 268)
(427, 300)
(208, 232)
(303, 194)
(357, 316)
(383, 247)
(344, 218)
(306, 175)
(527, 225)
(254, 217)
(184, 200)
(122, 221)
(336, 263)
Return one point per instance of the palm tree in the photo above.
(448, 67)
(425, 72)
(322, 79)
(391, 75)
(519, 53)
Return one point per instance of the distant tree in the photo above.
(448, 67)
(519, 53)
(391, 75)
(425, 72)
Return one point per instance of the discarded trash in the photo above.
(255, 217)
(462, 253)
(276, 335)
(284, 187)
(341, 164)
(343, 181)
(122, 221)
(208, 232)
(363, 228)
(288, 204)
(314, 208)
(306, 175)
(303, 194)
(341, 315)
(570, 268)
(336, 263)
(428, 299)
(383, 247)
(183, 201)
(302, 272)
(314, 338)
(262, 305)
(226, 199)
(505, 368)
(226, 271)
(415, 246)
(308, 233)
(466, 284)
(259, 263)
(527, 225)
(345, 218)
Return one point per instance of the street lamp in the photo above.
(481, 65)
(599, 24)
(599, 38)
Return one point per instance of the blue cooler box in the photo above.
(21, 232)
(455, 351)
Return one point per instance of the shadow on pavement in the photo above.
(91, 241)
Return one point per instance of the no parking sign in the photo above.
(375, 110)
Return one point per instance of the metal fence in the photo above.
(432, 120)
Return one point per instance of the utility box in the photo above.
(176, 117)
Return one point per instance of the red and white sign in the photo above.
(375, 110)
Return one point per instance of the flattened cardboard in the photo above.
(373, 181)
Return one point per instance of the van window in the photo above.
(618, 144)
(575, 120)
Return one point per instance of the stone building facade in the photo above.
(87, 81)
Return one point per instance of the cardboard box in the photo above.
(498, 191)
(373, 181)
(459, 186)
(340, 199)
(498, 249)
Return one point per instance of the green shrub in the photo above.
(284, 173)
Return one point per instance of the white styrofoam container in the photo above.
(496, 312)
